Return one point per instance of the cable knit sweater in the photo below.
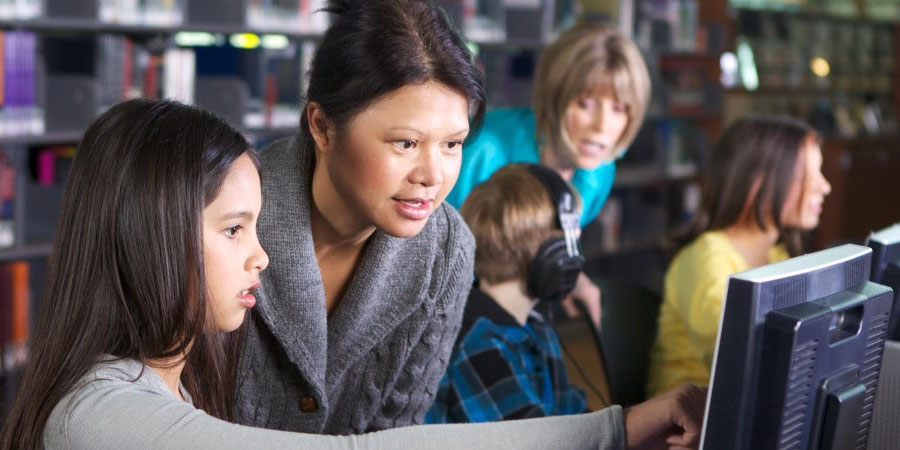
(377, 361)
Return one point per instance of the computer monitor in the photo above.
(798, 354)
(885, 246)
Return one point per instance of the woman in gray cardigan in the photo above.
(369, 268)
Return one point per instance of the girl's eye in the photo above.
(233, 231)
(620, 107)
(585, 103)
(454, 145)
(406, 144)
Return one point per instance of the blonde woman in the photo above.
(591, 91)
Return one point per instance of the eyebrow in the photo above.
(237, 215)
(464, 130)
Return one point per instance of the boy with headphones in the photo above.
(507, 362)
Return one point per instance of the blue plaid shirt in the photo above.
(501, 370)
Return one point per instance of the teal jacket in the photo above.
(508, 136)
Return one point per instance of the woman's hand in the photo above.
(589, 294)
(672, 420)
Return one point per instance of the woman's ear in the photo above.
(321, 129)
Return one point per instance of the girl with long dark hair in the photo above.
(763, 188)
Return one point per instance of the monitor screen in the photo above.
(885, 246)
(798, 354)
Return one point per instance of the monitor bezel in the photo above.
(801, 269)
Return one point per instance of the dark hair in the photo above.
(375, 47)
(756, 149)
(126, 272)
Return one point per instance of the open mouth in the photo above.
(248, 297)
(414, 208)
(592, 148)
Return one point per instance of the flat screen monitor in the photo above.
(885, 433)
(885, 246)
(798, 354)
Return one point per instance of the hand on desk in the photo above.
(672, 420)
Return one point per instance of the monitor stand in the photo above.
(885, 430)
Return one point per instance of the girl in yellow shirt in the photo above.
(763, 187)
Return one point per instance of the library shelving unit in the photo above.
(236, 57)
(834, 65)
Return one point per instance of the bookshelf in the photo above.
(244, 68)
(851, 97)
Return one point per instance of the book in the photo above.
(20, 9)
(20, 113)
(5, 317)
(142, 12)
(20, 299)
(7, 202)
(178, 74)
(302, 16)
(120, 69)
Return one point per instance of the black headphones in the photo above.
(558, 262)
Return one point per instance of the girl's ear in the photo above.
(321, 129)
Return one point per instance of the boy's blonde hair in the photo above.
(511, 215)
(589, 58)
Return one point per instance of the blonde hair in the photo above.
(511, 215)
(589, 58)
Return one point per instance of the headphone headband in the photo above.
(553, 272)
(567, 211)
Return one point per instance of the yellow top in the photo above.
(689, 317)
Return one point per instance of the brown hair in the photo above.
(586, 58)
(510, 215)
(126, 272)
(374, 48)
(756, 157)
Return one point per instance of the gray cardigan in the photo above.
(123, 405)
(376, 363)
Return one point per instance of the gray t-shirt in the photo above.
(124, 404)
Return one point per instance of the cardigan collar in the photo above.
(293, 304)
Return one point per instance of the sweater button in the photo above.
(308, 404)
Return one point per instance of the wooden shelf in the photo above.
(807, 13)
(25, 252)
(802, 91)
(51, 138)
(93, 26)
(73, 137)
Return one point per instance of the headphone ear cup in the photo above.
(553, 273)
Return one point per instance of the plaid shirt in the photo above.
(501, 370)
